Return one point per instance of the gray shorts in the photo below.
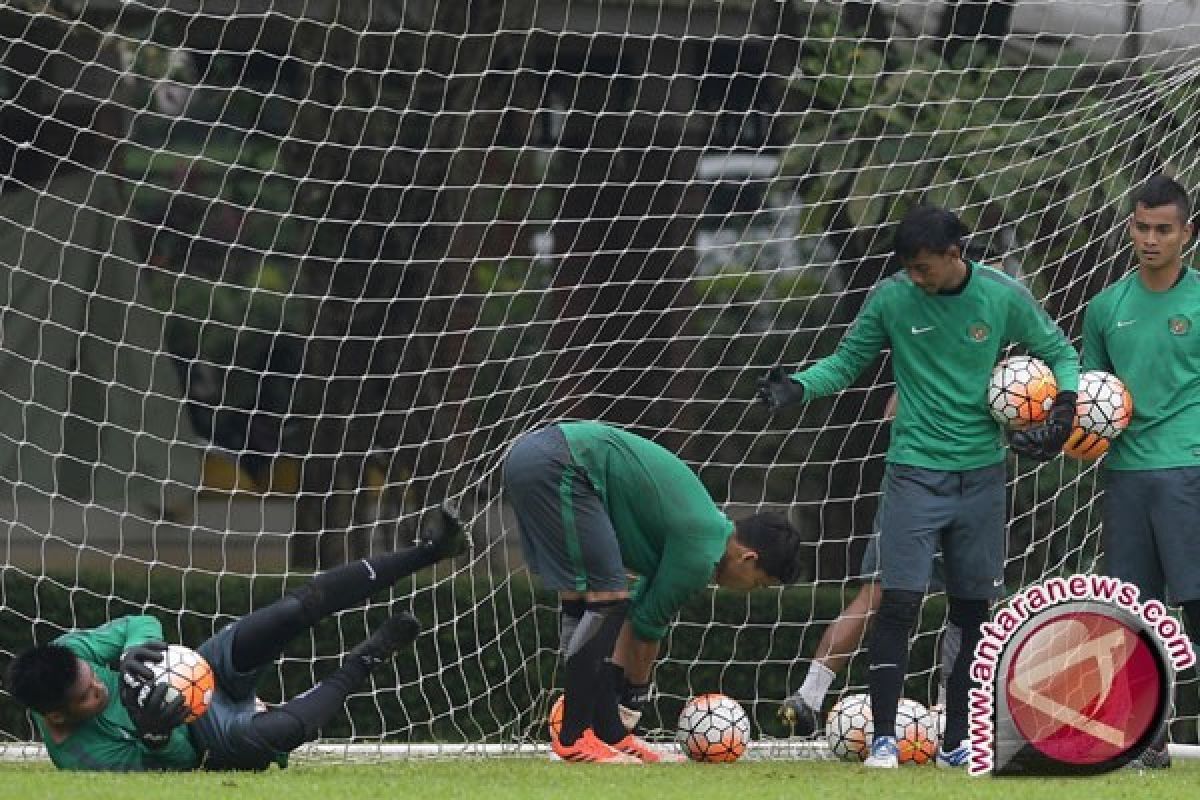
(566, 534)
(869, 570)
(224, 735)
(960, 513)
(1149, 531)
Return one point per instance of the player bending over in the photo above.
(86, 688)
(595, 503)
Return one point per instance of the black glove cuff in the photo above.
(1063, 409)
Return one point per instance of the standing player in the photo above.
(801, 711)
(595, 503)
(946, 320)
(87, 692)
(842, 639)
(1145, 329)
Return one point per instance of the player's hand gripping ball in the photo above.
(1103, 409)
(185, 672)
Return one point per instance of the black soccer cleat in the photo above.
(445, 533)
(399, 630)
(803, 718)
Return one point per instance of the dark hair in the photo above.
(928, 228)
(1162, 191)
(41, 677)
(776, 542)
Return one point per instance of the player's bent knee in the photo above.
(283, 731)
(597, 630)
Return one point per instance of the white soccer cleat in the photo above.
(884, 753)
(955, 759)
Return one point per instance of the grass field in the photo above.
(497, 779)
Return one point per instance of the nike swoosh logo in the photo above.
(918, 331)
(1125, 323)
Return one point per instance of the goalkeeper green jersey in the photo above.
(670, 532)
(109, 740)
(1151, 341)
(944, 348)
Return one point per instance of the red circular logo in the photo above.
(1083, 688)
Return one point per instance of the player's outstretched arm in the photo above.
(777, 390)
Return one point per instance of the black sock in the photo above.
(606, 718)
(299, 720)
(968, 615)
(260, 636)
(894, 622)
(586, 655)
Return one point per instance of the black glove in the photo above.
(153, 714)
(1043, 442)
(777, 390)
(135, 669)
(631, 697)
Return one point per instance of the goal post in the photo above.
(277, 278)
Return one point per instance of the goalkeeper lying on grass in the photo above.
(85, 688)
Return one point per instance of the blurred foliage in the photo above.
(1046, 150)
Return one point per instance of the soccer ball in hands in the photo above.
(1021, 392)
(713, 727)
(1103, 410)
(850, 728)
(185, 672)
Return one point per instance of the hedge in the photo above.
(479, 676)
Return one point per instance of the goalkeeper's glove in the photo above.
(1043, 442)
(134, 667)
(152, 713)
(1085, 445)
(631, 697)
(777, 390)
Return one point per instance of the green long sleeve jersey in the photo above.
(1151, 341)
(108, 741)
(944, 348)
(670, 532)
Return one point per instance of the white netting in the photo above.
(277, 277)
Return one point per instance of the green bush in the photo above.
(483, 669)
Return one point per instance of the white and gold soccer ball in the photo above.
(187, 673)
(850, 728)
(713, 727)
(1021, 392)
(1103, 410)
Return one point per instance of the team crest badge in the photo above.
(1179, 324)
(978, 331)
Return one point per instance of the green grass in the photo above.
(496, 779)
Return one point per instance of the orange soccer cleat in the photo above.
(588, 749)
(632, 745)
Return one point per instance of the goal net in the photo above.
(279, 277)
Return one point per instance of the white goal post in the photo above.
(278, 277)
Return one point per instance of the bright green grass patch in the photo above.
(498, 779)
